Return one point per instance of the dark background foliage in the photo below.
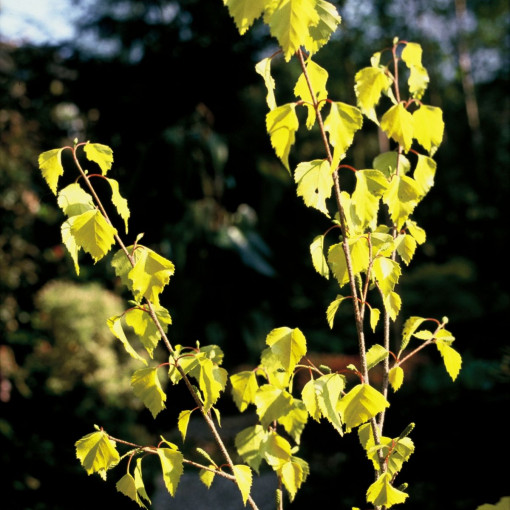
(170, 86)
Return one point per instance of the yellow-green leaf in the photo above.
(183, 422)
(319, 34)
(119, 202)
(127, 486)
(417, 232)
(452, 359)
(375, 313)
(212, 381)
(290, 23)
(382, 493)
(276, 450)
(327, 389)
(70, 243)
(295, 420)
(360, 255)
(429, 127)
(248, 443)
(289, 346)
(50, 163)
(100, 154)
(93, 233)
(396, 377)
(96, 452)
(171, 464)
(245, 12)
(370, 83)
(282, 124)
(115, 325)
(375, 355)
(318, 259)
(147, 388)
(361, 404)
(74, 200)
(244, 387)
(387, 272)
(401, 197)
(398, 124)
(406, 246)
(264, 69)
(140, 487)
(392, 304)
(243, 479)
(410, 326)
(314, 183)
(292, 477)
(206, 476)
(370, 186)
(418, 78)
(332, 309)
(140, 320)
(424, 173)
(272, 403)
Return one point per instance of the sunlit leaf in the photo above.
(171, 464)
(248, 443)
(389, 162)
(212, 381)
(392, 304)
(401, 197)
(370, 83)
(418, 78)
(140, 320)
(314, 183)
(183, 422)
(417, 232)
(243, 479)
(115, 325)
(244, 387)
(276, 450)
(74, 200)
(119, 202)
(424, 173)
(272, 403)
(370, 186)
(289, 345)
(333, 308)
(140, 487)
(452, 359)
(96, 452)
(318, 259)
(70, 243)
(375, 355)
(387, 273)
(127, 486)
(282, 124)
(295, 420)
(429, 127)
(410, 326)
(320, 34)
(375, 313)
(264, 69)
(382, 493)
(398, 124)
(245, 12)
(206, 477)
(147, 388)
(50, 163)
(406, 246)
(100, 154)
(396, 377)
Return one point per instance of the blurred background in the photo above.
(171, 87)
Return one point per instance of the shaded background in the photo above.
(171, 87)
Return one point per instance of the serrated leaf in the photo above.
(248, 443)
(74, 200)
(314, 183)
(244, 387)
(276, 450)
(290, 23)
(245, 12)
(370, 187)
(424, 173)
(264, 69)
(171, 465)
(243, 479)
(327, 390)
(320, 33)
(318, 259)
(206, 456)
(318, 78)
(387, 273)
(93, 233)
(100, 154)
(401, 197)
(360, 254)
(119, 202)
(392, 304)
(272, 403)
(375, 314)
(410, 326)
(50, 164)
(405, 245)
(70, 243)
(361, 404)
(96, 452)
(333, 308)
(398, 124)
(140, 320)
(292, 477)
(282, 124)
(212, 381)
(396, 377)
(273, 370)
(375, 355)
(295, 420)
(419, 78)
(115, 325)
(183, 422)
(452, 359)
(342, 123)
(382, 493)
(289, 346)
(389, 162)
(424, 334)
(370, 83)
(206, 477)
(429, 127)
(311, 400)
(127, 486)
(140, 487)
(147, 388)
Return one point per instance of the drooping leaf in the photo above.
(93, 233)
(245, 12)
(70, 243)
(183, 422)
(96, 452)
(429, 127)
(243, 479)
(127, 486)
(290, 23)
(317, 76)
(417, 232)
(119, 202)
(314, 183)
(282, 124)
(206, 477)
(327, 390)
(311, 401)
(74, 200)
(361, 404)
(390, 162)
(115, 325)
(319, 34)
(375, 313)
(212, 381)
(410, 326)
(295, 420)
(333, 308)
(289, 345)
(342, 123)
(392, 304)
(171, 464)
(452, 359)
(264, 69)
(418, 78)
(406, 246)
(206, 456)
(370, 186)
(318, 259)
(398, 124)
(272, 403)
(248, 444)
(401, 197)
(140, 487)
(370, 83)
(292, 476)
(272, 369)
(100, 154)
(50, 164)
(276, 450)
(147, 388)
(244, 387)
(359, 251)
(387, 273)
(375, 355)
(382, 493)
(424, 173)
(396, 377)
